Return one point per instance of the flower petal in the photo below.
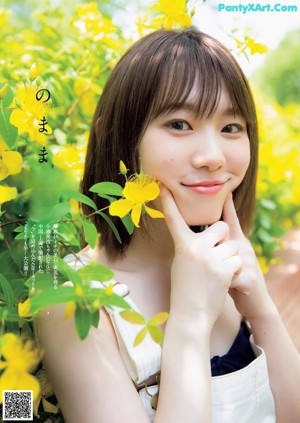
(24, 309)
(15, 380)
(70, 310)
(3, 145)
(150, 191)
(7, 194)
(154, 213)
(48, 407)
(136, 214)
(4, 171)
(13, 161)
(183, 19)
(133, 192)
(120, 207)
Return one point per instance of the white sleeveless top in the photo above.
(243, 396)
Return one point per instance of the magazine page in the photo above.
(59, 200)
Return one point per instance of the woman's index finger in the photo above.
(174, 220)
(230, 217)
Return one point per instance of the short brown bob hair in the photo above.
(155, 75)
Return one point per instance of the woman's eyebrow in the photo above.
(230, 112)
(175, 107)
(193, 108)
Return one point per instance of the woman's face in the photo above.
(199, 160)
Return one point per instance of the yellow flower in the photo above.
(11, 162)
(30, 112)
(19, 357)
(91, 24)
(7, 193)
(70, 158)
(123, 168)
(263, 264)
(34, 71)
(173, 11)
(4, 18)
(38, 137)
(109, 289)
(137, 192)
(79, 291)
(46, 391)
(24, 308)
(70, 310)
(253, 46)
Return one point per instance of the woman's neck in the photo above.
(151, 246)
(148, 247)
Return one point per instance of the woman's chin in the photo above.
(208, 219)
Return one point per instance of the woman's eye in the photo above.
(233, 128)
(179, 125)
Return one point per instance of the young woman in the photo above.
(178, 106)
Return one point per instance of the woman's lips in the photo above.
(206, 187)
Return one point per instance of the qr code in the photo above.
(17, 406)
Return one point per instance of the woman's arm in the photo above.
(283, 364)
(89, 377)
(202, 270)
(253, 301)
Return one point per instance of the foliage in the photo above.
(278, 190)
(279, 76)
(69, 56)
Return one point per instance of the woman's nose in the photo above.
(208, 152)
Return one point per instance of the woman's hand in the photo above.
(203, 267)
(248, 288)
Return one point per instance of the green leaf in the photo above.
(83, 322)
(265, 221)
(66, 273)
(110, 188)
(71, 274)
(61, 136)
(114, 300)
(9, 96)
(112, 226)
(9, 315)
(67, 232)
(140, 337)
(8, 131)
(80, 197)
(158, 319)
(95, 272)
(19, 229)
(7, 291)
(43, 281)
(108, 197)
(61, 295)
(276, 231)
(268, 204)
(59, 211)
(128, 223)
(90, 232)
(264, 236)
(133, 317)
(95, 318)
(156, 334)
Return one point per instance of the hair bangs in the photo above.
(185, 76)
(189, 75)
